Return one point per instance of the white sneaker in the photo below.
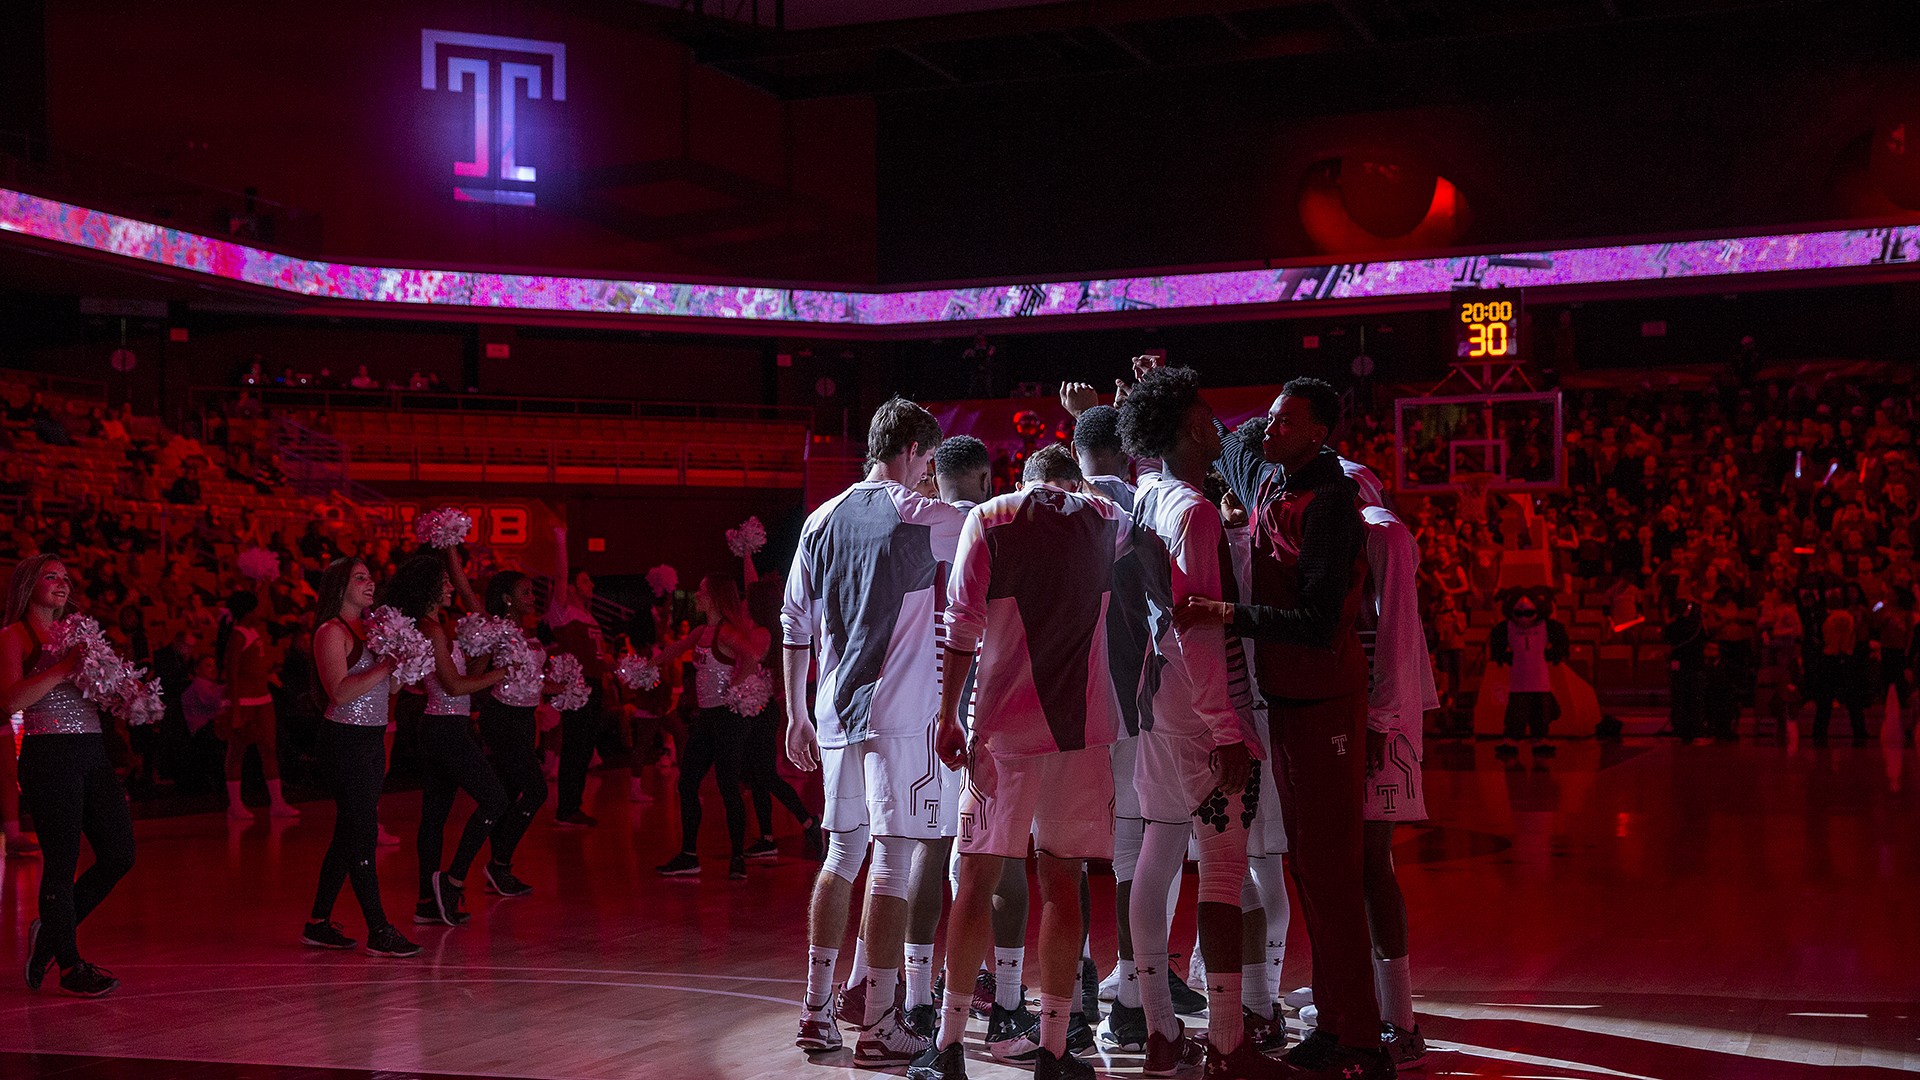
(1298, 999)
(1197, 971)
(1110, 986)
(888, 1044)
(1310, 1017)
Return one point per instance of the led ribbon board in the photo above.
(47, 219)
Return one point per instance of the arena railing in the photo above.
(430, 401)
(72, 386)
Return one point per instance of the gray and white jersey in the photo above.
(862, 593)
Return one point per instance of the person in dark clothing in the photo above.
(1309, 581)
(1686, 639)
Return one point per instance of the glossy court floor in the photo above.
(1636, 910)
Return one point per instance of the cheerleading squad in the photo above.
(1094, 667)
(58, 671)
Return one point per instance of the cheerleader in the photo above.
(70, 786)
(729, 646)
(358, 688)
(249, 720)
(423, 590)
(511, 735)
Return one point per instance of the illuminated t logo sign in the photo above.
(474, 75)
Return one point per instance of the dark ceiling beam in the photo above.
(917, 58)
(1008, 22)
(1232, 27)
(1124, 45)
(1349, 13)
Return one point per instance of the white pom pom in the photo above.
(443, 528)
(482, 635)
(391, 635)
(637, 672)
(749, 696)
(750, 537)
(104, 677)
(663, 580)
(259, 564)
(564, 669)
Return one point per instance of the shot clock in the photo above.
(1486, 325)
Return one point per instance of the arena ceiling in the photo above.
(823, 48)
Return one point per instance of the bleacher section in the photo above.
(507, 440)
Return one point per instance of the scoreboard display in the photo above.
(1486, 325)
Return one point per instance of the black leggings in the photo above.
(578, 730)
(717, 740)
(513, 743)
(354, 762)
(453, 763)
(71, 791)
(763, 771)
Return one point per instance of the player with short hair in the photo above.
(1197, 773)
(1309, 574)
(1029, 592)
(861, 597)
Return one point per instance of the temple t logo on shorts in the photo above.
(471, 62)
(1340, 744)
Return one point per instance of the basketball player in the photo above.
(862, 591)
(1029, 590)
(1104, 461)
(1265, 909)
(1309, 576)
(963, 473)
(1400, 693)
(1195, 773)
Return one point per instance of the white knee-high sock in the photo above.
(858, 973)
(1393, 981)
(1225, 1022)
(1255, 994)
(1270, 877)
(1054, 1011)
(1008, 970)
(881, 984)
(1162, 851)
(1129, 994)
(820, 964)
(919, 975)
(953, 1017)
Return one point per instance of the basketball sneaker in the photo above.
(1267, 1036)
(1126, 1029)
(1168, 1057)
(818, 1033)
(1243, 1063)
(1013, 1034)
(937, 1064)
(1407, 1049)
(888, 1044)
(1067, 1067)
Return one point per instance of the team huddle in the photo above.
(1220, 660)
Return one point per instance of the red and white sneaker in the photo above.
(850, 1004)
(889, 1044)
(818, 1033)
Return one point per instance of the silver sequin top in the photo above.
(711, 676)
(370, 708)
(441, 703)
(63, 711)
